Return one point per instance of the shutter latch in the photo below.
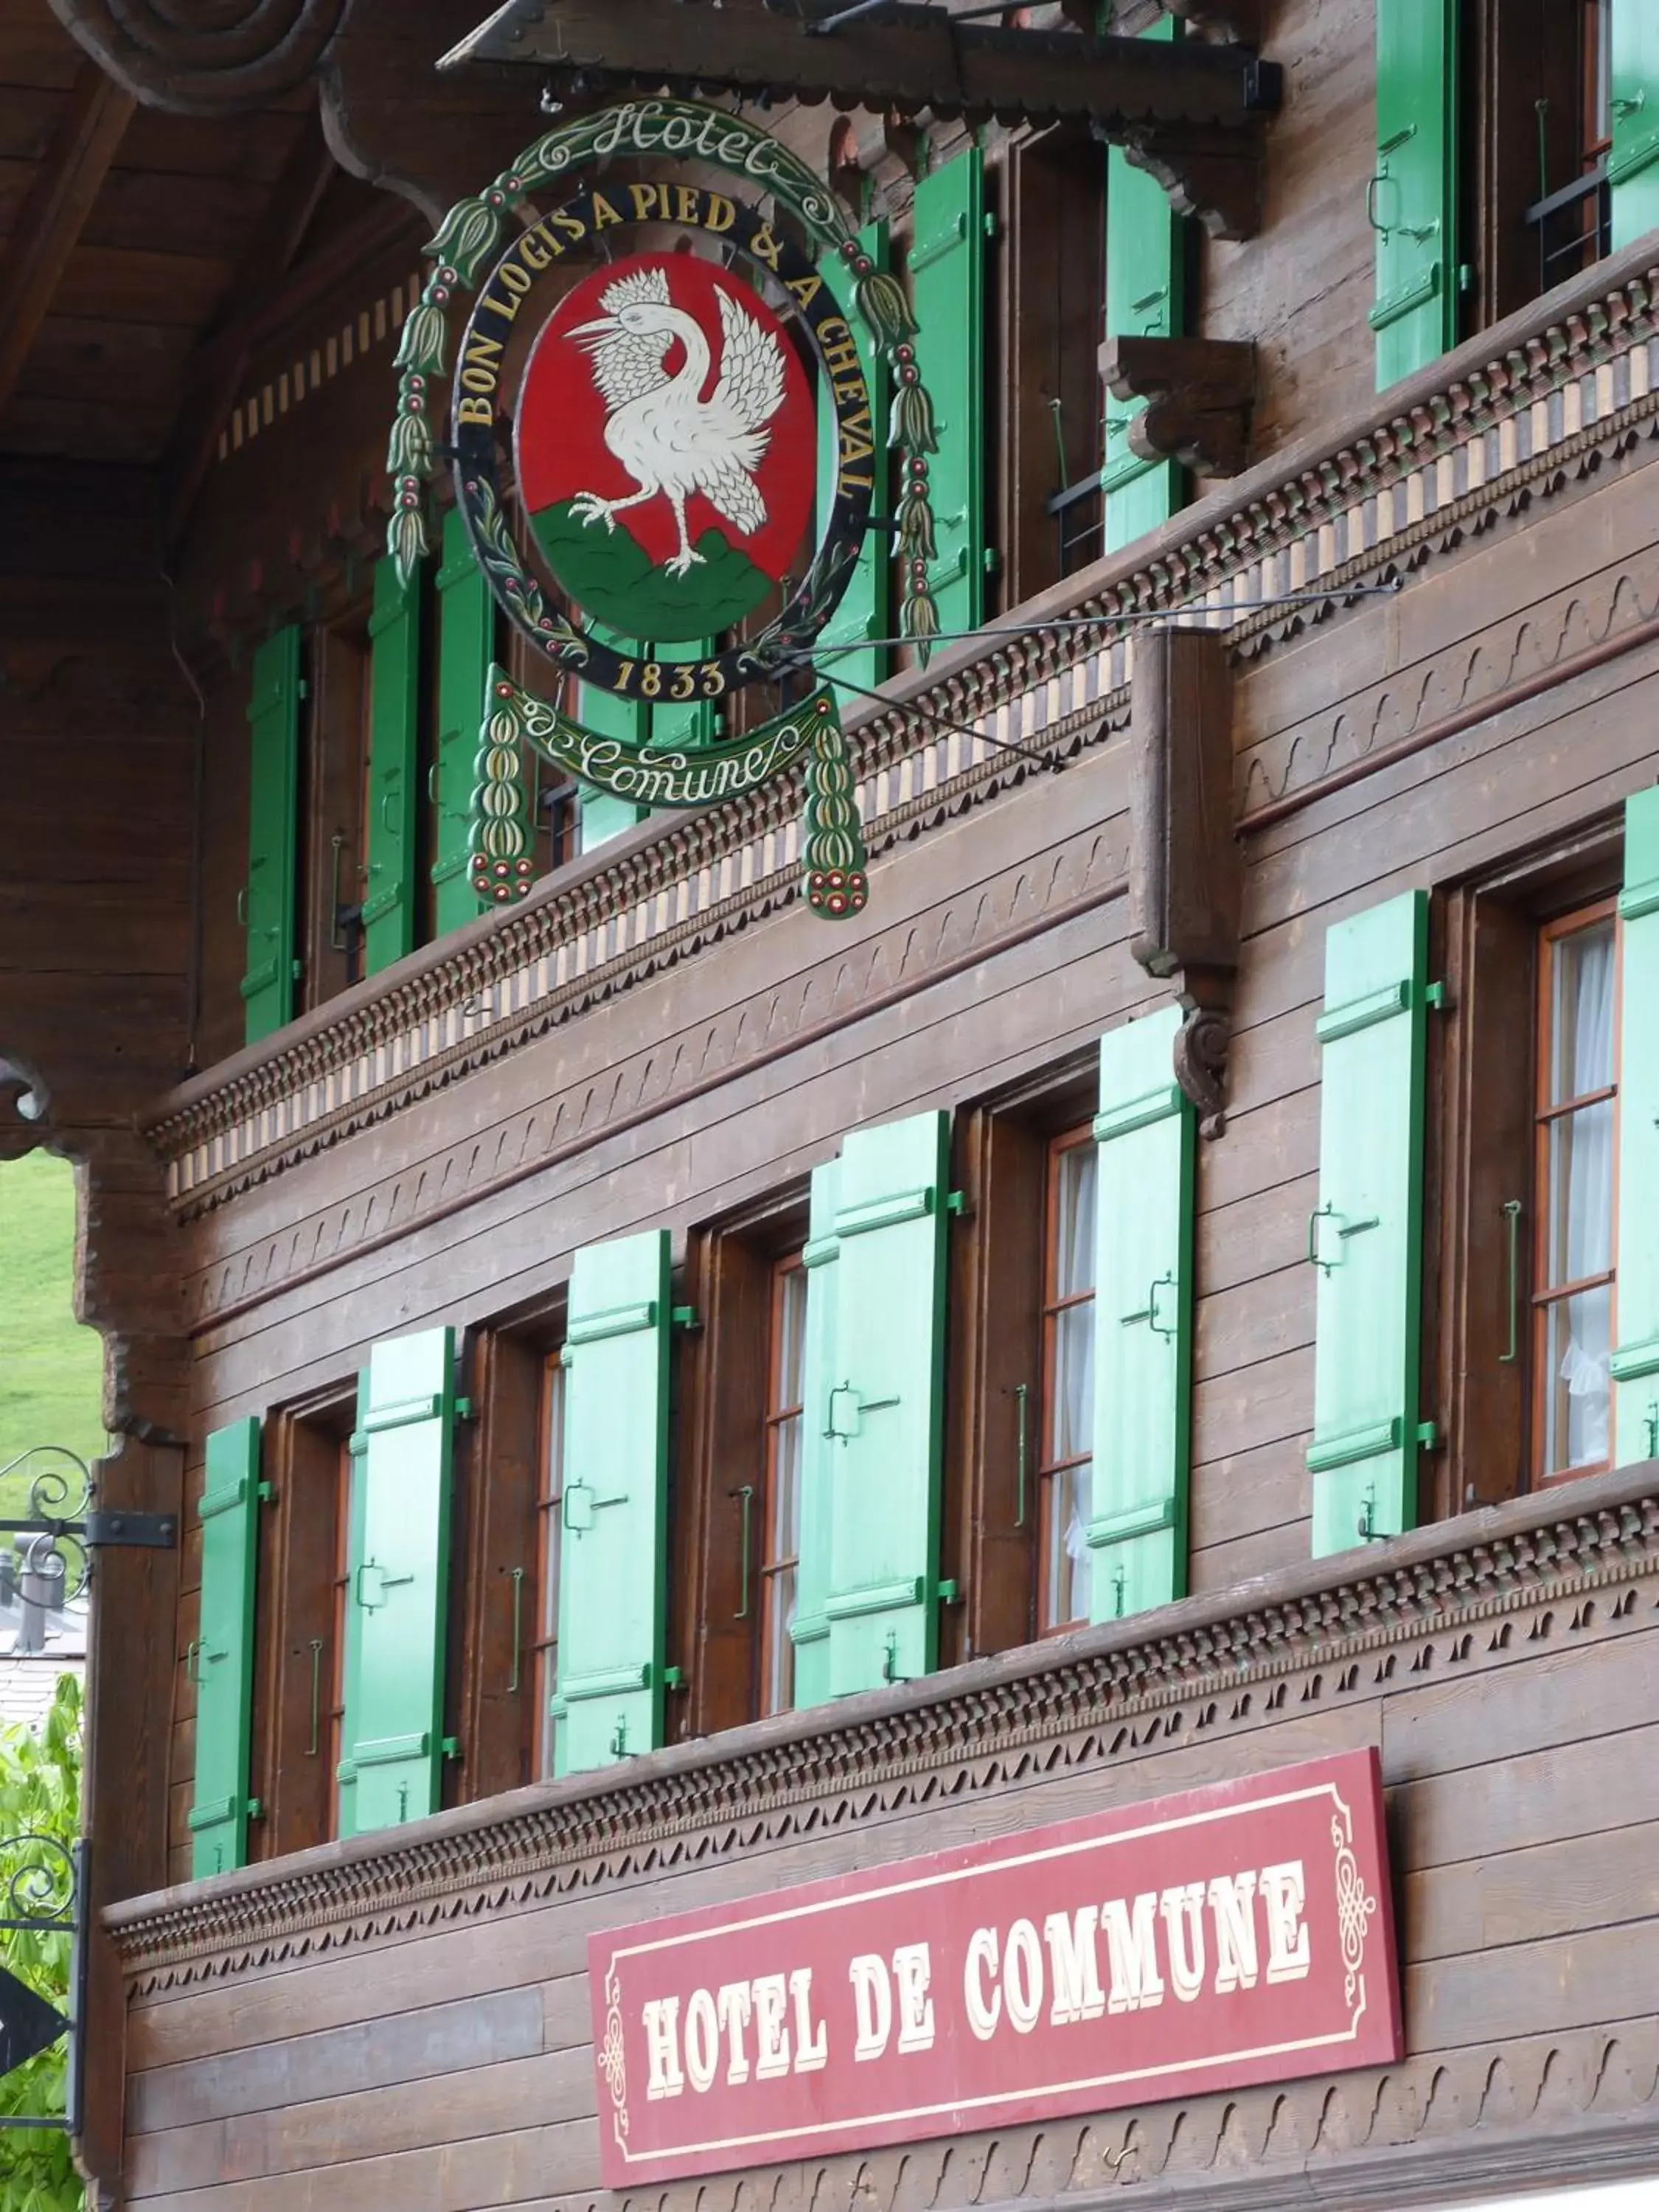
(861, 1405)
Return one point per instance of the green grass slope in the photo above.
(51, 1368)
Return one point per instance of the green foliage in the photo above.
(40, 1795)
(50, 1367)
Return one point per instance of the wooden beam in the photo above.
(55, 213)
(214, 372)
(1191, 113)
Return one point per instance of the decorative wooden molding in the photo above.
(1200, 394)
(1225, 1661)
(1186, 872)
(197, 57)
(1558, 396)
(54, 214)
(1192, 114)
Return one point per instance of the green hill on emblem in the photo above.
(612, 577)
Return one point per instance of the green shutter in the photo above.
(394, 665)
(221, 1657)
(1633, 164)
(861, 617)
(688, 721)
(947, 290)
(398, 1594)
(467, 628)
(1365, 1236)
(601, 815)
(613, 1558)
(810, 1629)
(1635, 1365)
(1146, 1133)
(1414, 193)
(1145, 297)
(271, 898)
(884, 1408)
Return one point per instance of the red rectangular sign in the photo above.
(1229, 1935)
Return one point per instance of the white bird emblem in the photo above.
(670, 439)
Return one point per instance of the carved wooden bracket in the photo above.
(1200, 394)
(198, 57)
(886, 148)
(1192, 114)
(1186, 880)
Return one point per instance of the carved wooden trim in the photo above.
(1227, 1661)
(1579, 388)
(1200, 394)
(197, 57)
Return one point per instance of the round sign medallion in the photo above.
(666, 446)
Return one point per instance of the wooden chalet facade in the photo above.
(669, 1400)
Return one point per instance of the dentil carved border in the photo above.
(1580, 387)
(1458, 1593)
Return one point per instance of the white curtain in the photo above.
(1589, 1207)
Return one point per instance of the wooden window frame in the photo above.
(543, 1624)
(1048, 1467)
(1546, 1112)
(723, 1376)
(995, 1358)
(1482, 1161)
(773, 1632)
(299, 1640)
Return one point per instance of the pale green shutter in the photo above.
(861, 617)
(1635, 1365)
(1365, 1236)
(397, 1587)
(466, 627)
(221, 1657)
(1145, 1135)
(1412, 195)
(885, 1409)
(613, 1558)
(1145, 297)
(394, 665)
(810, 1629)
(599, 816)
(271, 898)
(947, 290)
(1633, 164)
(679, 722)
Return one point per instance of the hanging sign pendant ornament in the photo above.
(691, 443)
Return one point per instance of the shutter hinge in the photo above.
(1428, 1436)
(684, 1317)
(266, 1493)
(1435, 995)
(675, 1678)
(956, 1202)
(950, 1593)
(299, 968)
(451, 1747)
(992, 559)
(256, 1810)
(156, 1532)
(991, 225)
(464, 1409)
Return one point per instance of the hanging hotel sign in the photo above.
(1231, 1935)
(635, 406)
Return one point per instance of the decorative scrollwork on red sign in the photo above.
(203, 57)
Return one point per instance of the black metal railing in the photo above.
(1574, 225)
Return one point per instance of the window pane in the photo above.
(1580, 1194)
(1581, 1049)
(791, 1351)
(1072, 1384)
(781, 1653)
(1575, 1382)
(1075, 1254)
(1067, 1595)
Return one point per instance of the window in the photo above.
(1521, 1262)
(1068, 1392)
(339, 1600)
(781, 1516)
(1573, 1183)
(549, 1506)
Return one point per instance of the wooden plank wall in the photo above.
(449, 2067)
(1528, 774)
